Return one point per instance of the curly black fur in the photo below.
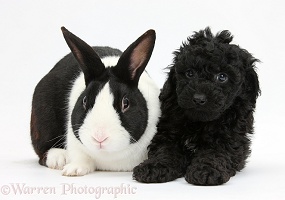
(207, 105)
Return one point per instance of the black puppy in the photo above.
(207, 106)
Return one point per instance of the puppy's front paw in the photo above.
(153, 172)
(77, 169)
(205, 174)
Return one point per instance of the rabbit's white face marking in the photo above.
(102, 129)
(110, 61)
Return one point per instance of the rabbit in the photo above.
(97, 109)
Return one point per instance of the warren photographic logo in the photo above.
(63, 189)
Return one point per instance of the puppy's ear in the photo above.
(224, 36)
(169, 88)
(251, 84)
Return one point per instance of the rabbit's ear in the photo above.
(135, 58)
(87, 58)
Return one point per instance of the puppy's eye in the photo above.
(222, 77)
(84, 102)
(125, 104)
(189, 73)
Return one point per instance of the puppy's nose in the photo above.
(199, 99)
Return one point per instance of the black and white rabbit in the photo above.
(96, 111)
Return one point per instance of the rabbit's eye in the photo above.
(84, 102)
(125, 104)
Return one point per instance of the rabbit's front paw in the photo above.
(77, 169)
(56, 158)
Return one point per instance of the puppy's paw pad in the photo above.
(77, 169)
(56, 158)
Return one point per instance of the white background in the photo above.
(31, 43)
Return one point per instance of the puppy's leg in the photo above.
(215, 165)
(210, 167)
(163, 165)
